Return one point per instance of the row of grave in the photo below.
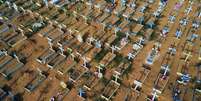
(36, 84)
(130, 55)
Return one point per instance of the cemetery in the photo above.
(100, 50)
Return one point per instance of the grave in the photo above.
(84, 48)
(107, 59)
(136, 29)
(164, 31)
(154, 95)
(92, 81)
(128, 12)
(76, 72)
(61, 92)
(131, 95)
(92, 53)
(152, 55)
(111, 20)
(138, 82)
(65, 66)
(5, 60)
(54, 36)
(11, 68)
(45, 56)
(137, 46)
(119, 10)
(123, 25)
(35, 82)
(109, 90)
(16, 40)
(163, 78)
(137, 16)
(56, 61)
(102, 17)
(121, 68)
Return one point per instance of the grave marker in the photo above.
(130, 56)
(178, 33)
(188, 55)
(50, 42)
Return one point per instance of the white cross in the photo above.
(70, 31)
(188, 10)
(130, 56)
(85, 62)
(46, 3)
(16, 58)
(100, 75)
(172, 50)
(72, 56)
(91, 39)
(127, 35)
(61, 48)
(188, 55)
(113, 49)
(116, 78)
(15, 7)
(116, 30)
(154, 96)
(138, 84)
(50, 42)
(3, 52)
(166, 69)
(8, 3)
(141, 40)
(79, 38)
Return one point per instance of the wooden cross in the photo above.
(188, 55)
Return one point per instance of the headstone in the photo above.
(46, 2)
(50, 42)
(16, 57)
(8, 3)
(79, 38)
(15, 7)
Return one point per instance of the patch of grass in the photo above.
(153, 36)
(100, 55)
